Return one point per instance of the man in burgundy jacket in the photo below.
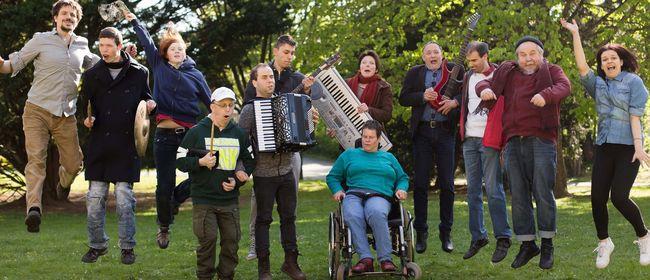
(533, 90)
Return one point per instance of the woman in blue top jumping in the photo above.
(178, 89)
(373, 178)
(620, 103)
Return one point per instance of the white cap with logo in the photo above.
(222, 93)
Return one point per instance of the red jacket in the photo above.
(520, 116)
(493, 128)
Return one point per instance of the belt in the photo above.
(177, 130)
(432, 124)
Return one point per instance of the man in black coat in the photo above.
(114, 87)
(433, 132)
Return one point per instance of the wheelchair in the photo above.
(341, 250)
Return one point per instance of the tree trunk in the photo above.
(560, 189)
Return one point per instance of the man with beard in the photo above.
(59, 57)
(533, 90)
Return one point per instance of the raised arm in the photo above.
(144, 38)
(578, 52)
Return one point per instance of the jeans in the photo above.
(208, 223)
(358, 214)
(96, 207)
(268, 191)
(429, 143)
(482, 165)
(530, 163)
(614, 173)
(167, 193)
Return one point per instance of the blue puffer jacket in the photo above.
(176, 91)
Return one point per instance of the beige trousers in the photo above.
(39, 126)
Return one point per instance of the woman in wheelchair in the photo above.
(373, 179)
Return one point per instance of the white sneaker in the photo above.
(644, 249)
(251, 251)
(604, 249)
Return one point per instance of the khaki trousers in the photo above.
(39, 126)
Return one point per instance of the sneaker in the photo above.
(500, 253)
(644, 249)
(33, 219)
(251, 251)
(128, 256)
(162, 237)
(93, 254)
(475, 247)
(527, 251)
(604, 249)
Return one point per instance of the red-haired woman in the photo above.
(620, 103)
(178, 89)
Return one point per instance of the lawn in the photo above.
(55, 252)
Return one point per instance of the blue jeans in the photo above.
(96, 207)
(374, 212)
(168, 194)
(430, 143)
(482, 165)
(530, 165)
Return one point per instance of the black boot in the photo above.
(263, 266)
(33, 219)
(527, 251)
(290, 266)
(445, 239)
(500, 253)
(475, 247)
(421, 242)
(546, 259)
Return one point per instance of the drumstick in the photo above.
(212, 140)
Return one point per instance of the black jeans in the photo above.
(268, 190)
(613, 172)
(430, 143)
(165, 145)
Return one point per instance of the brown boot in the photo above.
(263, 266)
(290, 266)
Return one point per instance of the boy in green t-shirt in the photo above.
(215, 183)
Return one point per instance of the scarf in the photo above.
(369, 94)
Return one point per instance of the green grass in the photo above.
(56, 251)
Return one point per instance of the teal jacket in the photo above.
(377, 171)
(232, 144)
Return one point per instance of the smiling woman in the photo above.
(620, 97)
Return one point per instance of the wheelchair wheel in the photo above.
(413, 270)
(409, 236)
(342, 272)
(334, 257)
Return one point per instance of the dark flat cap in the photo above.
(529, 38)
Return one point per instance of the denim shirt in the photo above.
(616, 100)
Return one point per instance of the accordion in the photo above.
(338, 107)
(284, 123)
